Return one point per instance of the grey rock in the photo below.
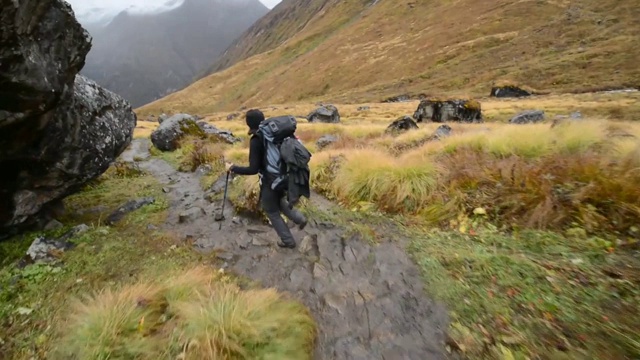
(399, 98)
(466, 111)
(162, 118)
(166, 190)
(152, 227)
(73, 144)
(442, 131)
(232, 116)
(319, 271)
(191, 214)
(528, 117)
(225, 256)
(204, 169)
(224, 135)
(243, 241)
(128, 207)
(53, 225)
(324, 114)
(75, 231)
(169, 133)
(308, 244)
(508, 91)
(260, 241)
(402, 124)
(42, 49)
(576, 115)
(325, 141)
(363, 108)
(43, 250)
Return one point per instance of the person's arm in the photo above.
(255, 159)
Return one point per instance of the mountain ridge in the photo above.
(144, 57)
(437, 47)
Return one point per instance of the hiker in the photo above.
(273, 201)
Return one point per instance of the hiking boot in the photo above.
(285, 245)
(303, 224)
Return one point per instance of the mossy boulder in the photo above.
(169, 133)
(508, 91)
(438, 110)
(402, 124)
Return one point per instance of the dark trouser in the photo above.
(274, 203)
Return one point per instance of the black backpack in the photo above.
(286, 158)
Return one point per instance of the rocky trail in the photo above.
(368, 300)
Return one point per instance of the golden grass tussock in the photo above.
(199, 314)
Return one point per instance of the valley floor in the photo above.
(489, 244)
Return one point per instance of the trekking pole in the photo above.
(220, 217)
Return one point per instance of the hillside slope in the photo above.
(144, 57)
(357, 50)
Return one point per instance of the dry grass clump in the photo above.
(196, 315)
(525, 175)
(197, 152)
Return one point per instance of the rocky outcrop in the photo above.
(169, 133)
(508, 91)
(528, 117)
(468, 111)
(325, 140)
(441, 132)
(57, 130)
(224, 135)
(402, 124)
(325, 114)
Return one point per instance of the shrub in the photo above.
(195, 315)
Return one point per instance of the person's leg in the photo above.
(271, 205)
(293, 214)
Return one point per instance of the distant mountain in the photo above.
(371, 50)
(145, 57)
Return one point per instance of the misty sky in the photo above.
(97, 10)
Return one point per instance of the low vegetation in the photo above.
(529, 233)
(135, 290)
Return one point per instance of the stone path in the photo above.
(368, 300)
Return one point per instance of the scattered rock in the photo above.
(508, 91)
(244, 241)
(442, 131)
(166, 190)
(162, 118)
(399, 98)
(364, 108)
(309, 245)
(528, 117)
(152, 227)
(191, 214)
(167, 135)
(260, 241)
(204, 169)
(576, 115)
(76, 230)
(325, 141)
(232, 116)
(324, 114)
(53, 225)
(128, 207)
(224, 135)
(219, 184)
(402, 124)
(335, 301)
(225, 256)
(45, 250)
(319, 271)
(468, 111)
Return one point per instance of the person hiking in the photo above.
(273, 201)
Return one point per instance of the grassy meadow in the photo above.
(530, 233)
(135, 291)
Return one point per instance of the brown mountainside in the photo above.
(356, 50)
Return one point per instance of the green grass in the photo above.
(84, 304)
(533, 294)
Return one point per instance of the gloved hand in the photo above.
(228, 166)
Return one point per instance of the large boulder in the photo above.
(528, 117)
(58, 130)
(402, 124)
(468, 111)
(223, 135)
(169, 133)
(42, 48)
(508, 91)
(324, 114)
